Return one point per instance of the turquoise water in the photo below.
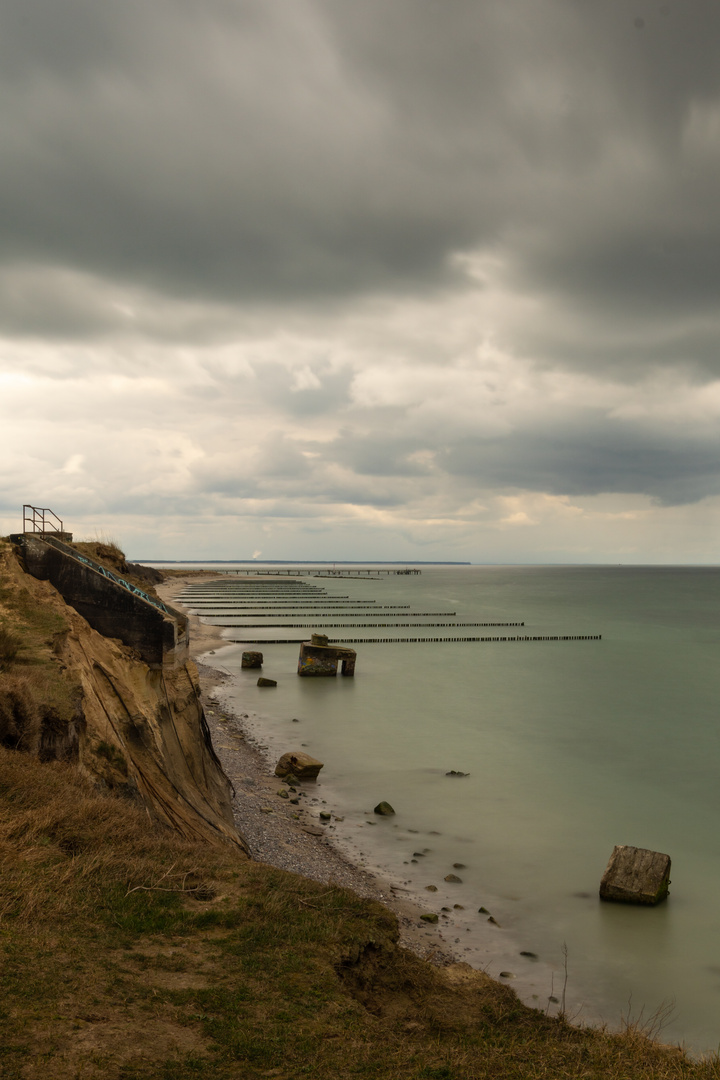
(571, 747)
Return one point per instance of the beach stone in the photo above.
(283, 794)
(324, 816)
(459, 866)
(300, 765)
(266, 682)
(384, 809)
(251, 660)
(431, 888)
(635, 876)
(483, 911)
(429, 917)
(453, 878)
(454, 772)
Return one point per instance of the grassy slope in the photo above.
(127, 953)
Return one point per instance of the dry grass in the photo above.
(10, 645)
(127, 953)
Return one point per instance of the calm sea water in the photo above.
(571, 747)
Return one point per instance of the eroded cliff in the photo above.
(70, 693)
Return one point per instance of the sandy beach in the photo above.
(278, 833)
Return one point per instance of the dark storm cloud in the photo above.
(585, 462)
(307, 148)
(343, 243)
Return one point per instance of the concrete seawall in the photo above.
(110, 608)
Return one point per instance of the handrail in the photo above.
(67, 550)
(40, 519)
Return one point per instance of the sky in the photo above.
(399, 279)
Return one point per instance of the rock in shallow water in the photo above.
(384, 809)
(301, 766)
(635, 876)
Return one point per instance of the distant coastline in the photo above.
(305, 562)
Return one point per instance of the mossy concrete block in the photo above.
(252, 660)
(635, 876)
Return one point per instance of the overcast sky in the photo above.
(390, 279)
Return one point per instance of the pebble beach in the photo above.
(278, 832)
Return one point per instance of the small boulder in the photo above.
(429, 917)
(301, 766)
(635, 876)
(266, 682)
(384, 809)
(453, 878)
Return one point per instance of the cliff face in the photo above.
(72, 694)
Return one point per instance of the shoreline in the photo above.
(285, 837)
(276, 837)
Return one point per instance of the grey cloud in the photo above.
(592, 461)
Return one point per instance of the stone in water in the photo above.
(635, 876)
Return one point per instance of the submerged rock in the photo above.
(266, 682)
(384, 809)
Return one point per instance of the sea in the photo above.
(582, 705)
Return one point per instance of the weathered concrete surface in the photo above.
(252, 660)
(109, 608)
(318, 658)
(636, 876)
(298, 764)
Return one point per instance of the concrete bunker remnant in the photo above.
(252, 660)
(318, 657)
(636, 876)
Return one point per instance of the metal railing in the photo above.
(100, 569)
(40, 519)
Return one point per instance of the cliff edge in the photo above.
(69, 692)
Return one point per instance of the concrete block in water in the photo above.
(252, 660)
(318, 658)
(635, 876)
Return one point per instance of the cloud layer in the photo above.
(391, 280)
